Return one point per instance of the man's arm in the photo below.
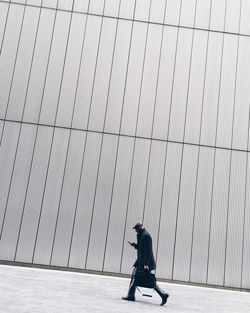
(132, 244)
(147, 251)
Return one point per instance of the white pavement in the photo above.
(25, 290)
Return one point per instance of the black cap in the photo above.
(137, 225)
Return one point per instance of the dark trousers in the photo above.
(132, 286)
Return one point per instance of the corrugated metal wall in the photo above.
(118, 111)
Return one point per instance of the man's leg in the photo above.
(164, 296)
(132, 288)
(132, 285)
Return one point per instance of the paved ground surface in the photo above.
(24, 290)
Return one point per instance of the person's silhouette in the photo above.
(145, 261)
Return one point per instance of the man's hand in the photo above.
(132, 244)
(146, 267)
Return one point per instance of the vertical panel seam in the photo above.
(245, 202)
(13, 72)
(39, 116)
(73, 113)
(4, 30)
(153, 121)
(152, 130)
(231, 152)
(214, 162)
(6, 111)
(199, 146)
(55, 120)
(182, 151)
(104, 124)
(119, 135)
(170, 111)
(100, 153)
(137, 116)
(31, 164)
(133, 153)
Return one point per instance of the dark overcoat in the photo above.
(145, 254)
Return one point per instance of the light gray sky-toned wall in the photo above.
(113, 112)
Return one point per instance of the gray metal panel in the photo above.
(132, 95)
(102, 77)
(71, 71)
(112, 7)
(218, 15)
(65, 4)
(85, 201)
(34, 2)
(169, 211)
(218, 230)
(10, 132)
(180, 88)
(188, 13)
(142, 10)
(153, 195)
(118, 77)
(235, 220)
(196, 87)
(199, 256)
(55, 70)
(173, 12)
(127, 8)
(101, 208)
(67, 205)
(184, 225)
(119, 205)
(157, 11)
(51, 197)
(203, 13)
(81, 5)
(245, 274)
(3, 17)
(242, 97)
(35, 187)
(8, 55)
(97, 6)
(39, 66)
(50, 3)
(87, 70)
(227, 92)
(135, 200)
(164, 90)
(211, 92)
(244, 23)
(233, 16)
(136, 178)
(17, 193)
(149, 82)
(23, 64)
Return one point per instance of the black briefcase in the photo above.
(145, 279)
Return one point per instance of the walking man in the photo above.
(145, 262)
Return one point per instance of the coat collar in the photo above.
(141, 233)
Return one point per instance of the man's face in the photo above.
(138, 229)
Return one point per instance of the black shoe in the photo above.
(128, 298)
(164, 299)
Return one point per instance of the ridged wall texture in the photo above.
(119, 111)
